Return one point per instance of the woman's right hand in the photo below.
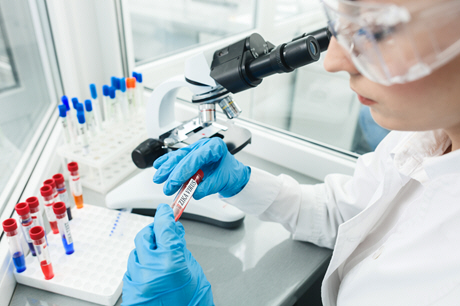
(223, 173)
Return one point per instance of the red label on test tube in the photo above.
(185, 194)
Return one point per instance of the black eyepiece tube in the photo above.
(286, 58)
(244, 64)
(323, 36)
(301, 52)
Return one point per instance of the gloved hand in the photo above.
(161, 271)
(223, 173)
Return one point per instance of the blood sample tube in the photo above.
(26, 221)
(35, 214)
(47, 194)
(37, 233)
(11, 229)
(185, 194)
(62, 191)
(64, 227)
(52, 183)
(75, 184)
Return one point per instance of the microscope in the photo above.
(238, 67)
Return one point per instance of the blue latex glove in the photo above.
(161, 271)
(223, 173)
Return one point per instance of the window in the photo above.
(26, 96)
(162, 28)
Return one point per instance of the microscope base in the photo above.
(143, 196)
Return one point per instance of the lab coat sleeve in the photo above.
(313, 213)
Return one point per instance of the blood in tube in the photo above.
(75, 184)
(11, 229)
(185, 194)
(64, 226)
(48, 198)
(62, 191)
(23, 211)
(37, 233)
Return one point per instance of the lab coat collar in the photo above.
(420, 154)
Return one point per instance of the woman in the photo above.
(394, 223)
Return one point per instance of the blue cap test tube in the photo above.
(115, 82)
(123, 98)
(11, 229)
(115, 104)
(65, 101)
(106, 103)
(96, 108)
(82, 134)
(65, 123)
(139, 88)
(90, 123)
(75, 102)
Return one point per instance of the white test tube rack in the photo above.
(109, 160)
(103, 239)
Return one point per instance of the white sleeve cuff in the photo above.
(258, 194)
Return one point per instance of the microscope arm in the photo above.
(160, 116)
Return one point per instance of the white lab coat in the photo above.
(418, 263)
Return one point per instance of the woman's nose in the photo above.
(337, 60)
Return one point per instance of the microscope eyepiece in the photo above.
(244, 64)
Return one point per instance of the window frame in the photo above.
(54, 87)
(37, 159)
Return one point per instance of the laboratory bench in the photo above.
(257, 263)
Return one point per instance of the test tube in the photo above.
(52, 183)
(140, 88)
(34, 206)
(96, 107)
(116, 100)
(185, 194)
(26, 221)
(82, 134)
(131, 85)
(47, 194)
(74, 110)
(37, 233)
(59, 209)
(65, 125)
(11, 229)
(75, 184)
(62, 192)
(65, 102)
(90, 121)
(115, 105)
(123, 99)
(106, 104)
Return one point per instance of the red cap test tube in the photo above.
(48, 198)
(62, 191)
(64, 227)
(75, 184)
(25, 219)
(14, 242)
(185, 194)
(34, 206)
(37, 233)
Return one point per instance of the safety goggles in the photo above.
(391, 44)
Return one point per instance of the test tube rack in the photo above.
(103, 239)
(109, 160)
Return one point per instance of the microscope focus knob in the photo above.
(147, 152)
